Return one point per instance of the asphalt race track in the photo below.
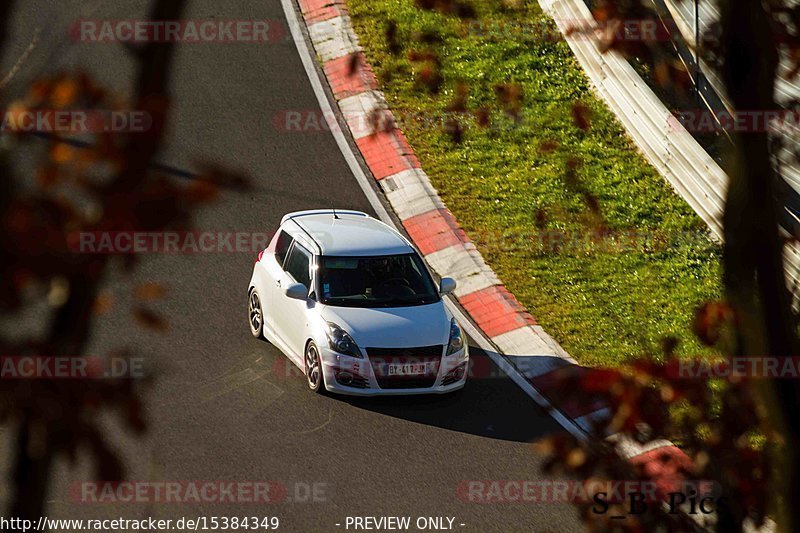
(221, 406)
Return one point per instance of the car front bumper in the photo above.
(362, 368)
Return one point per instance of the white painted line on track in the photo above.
(364, 182)
(505, 365)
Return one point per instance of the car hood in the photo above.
(393, 327)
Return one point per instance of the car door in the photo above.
(273, 278)
(291, 316)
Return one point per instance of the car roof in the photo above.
(351, 233)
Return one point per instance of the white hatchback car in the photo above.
(350, 302)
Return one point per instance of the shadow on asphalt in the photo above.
(490, 405)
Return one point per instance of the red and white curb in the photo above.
(535, 355)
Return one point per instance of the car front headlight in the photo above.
(456, 342)
(341, 342)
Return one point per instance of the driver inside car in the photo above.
(388, 279)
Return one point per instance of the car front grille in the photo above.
(381, 358)
(423, 351)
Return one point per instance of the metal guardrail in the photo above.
(663, 140)
(786, 90)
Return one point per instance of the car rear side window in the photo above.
(299, 264)
(282, 247)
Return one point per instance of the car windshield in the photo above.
(380, 281)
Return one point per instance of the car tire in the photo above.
(255, 314)
(312, 365)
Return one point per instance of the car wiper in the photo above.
(402, 301)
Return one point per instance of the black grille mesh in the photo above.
(380, 358)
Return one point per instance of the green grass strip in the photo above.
(508, 183)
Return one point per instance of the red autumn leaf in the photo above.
(581, 115)
(709, 319)
(150, 291)
(149, 319)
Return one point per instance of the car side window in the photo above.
(282, 246)
(298, 264)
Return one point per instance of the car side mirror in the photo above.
(447, 286)
(297, 291)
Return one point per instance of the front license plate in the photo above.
(408, 369)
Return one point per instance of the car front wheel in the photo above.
(313, 367)
(255, 314)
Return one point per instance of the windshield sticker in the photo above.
(341, 263)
